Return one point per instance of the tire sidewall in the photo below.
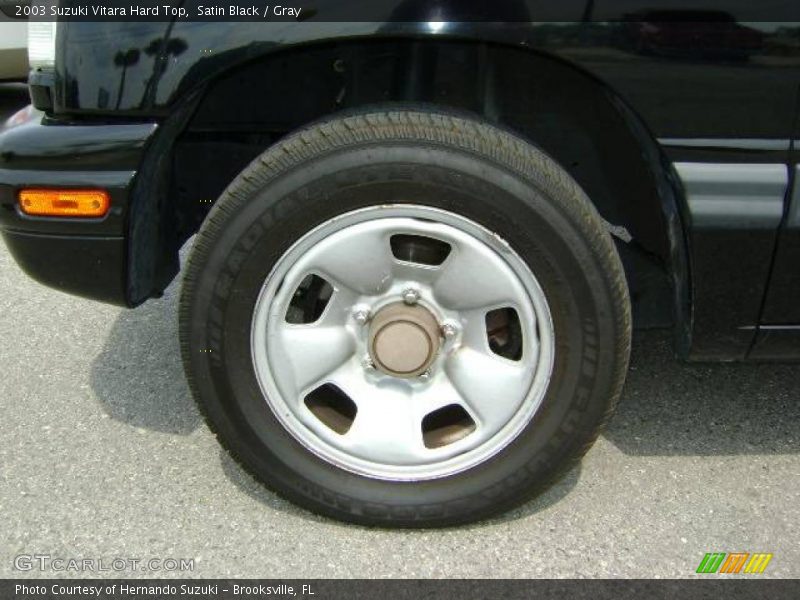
(548, 238)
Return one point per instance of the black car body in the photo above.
(683, 133)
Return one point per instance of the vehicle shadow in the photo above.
(673, 408)
(138, 376)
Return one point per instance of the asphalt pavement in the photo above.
(103, 456)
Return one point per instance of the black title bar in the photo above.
(507, 11)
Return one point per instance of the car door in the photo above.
(779, 329)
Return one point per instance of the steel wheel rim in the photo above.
(352, 252)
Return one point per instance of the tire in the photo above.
(372, 170)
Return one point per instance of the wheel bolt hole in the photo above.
(309, 301)
(504, 333)
(419, 249)
(332, 407)
(446, 426)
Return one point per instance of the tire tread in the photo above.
(437, 128)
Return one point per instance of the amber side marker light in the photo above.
(64, 203)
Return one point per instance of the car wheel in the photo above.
(406, 318)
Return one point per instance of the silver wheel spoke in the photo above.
(440, 393)
(492, 387)
(386, 434)
(474, 276)
(385, 428)
(359, 259)
(308, 353)
(414, 272)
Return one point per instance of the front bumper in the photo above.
(86, 257)
(88, 266)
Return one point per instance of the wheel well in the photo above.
(564, 111)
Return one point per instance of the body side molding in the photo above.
(735, 195)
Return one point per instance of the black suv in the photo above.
(421, 241)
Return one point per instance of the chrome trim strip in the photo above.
(735, 196)
(732, 144)
(770, 327)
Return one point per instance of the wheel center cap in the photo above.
(404, 340)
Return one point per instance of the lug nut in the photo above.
(410, 296)
(426, 375)
(449, 330)
(367, 363)
(361, 315)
